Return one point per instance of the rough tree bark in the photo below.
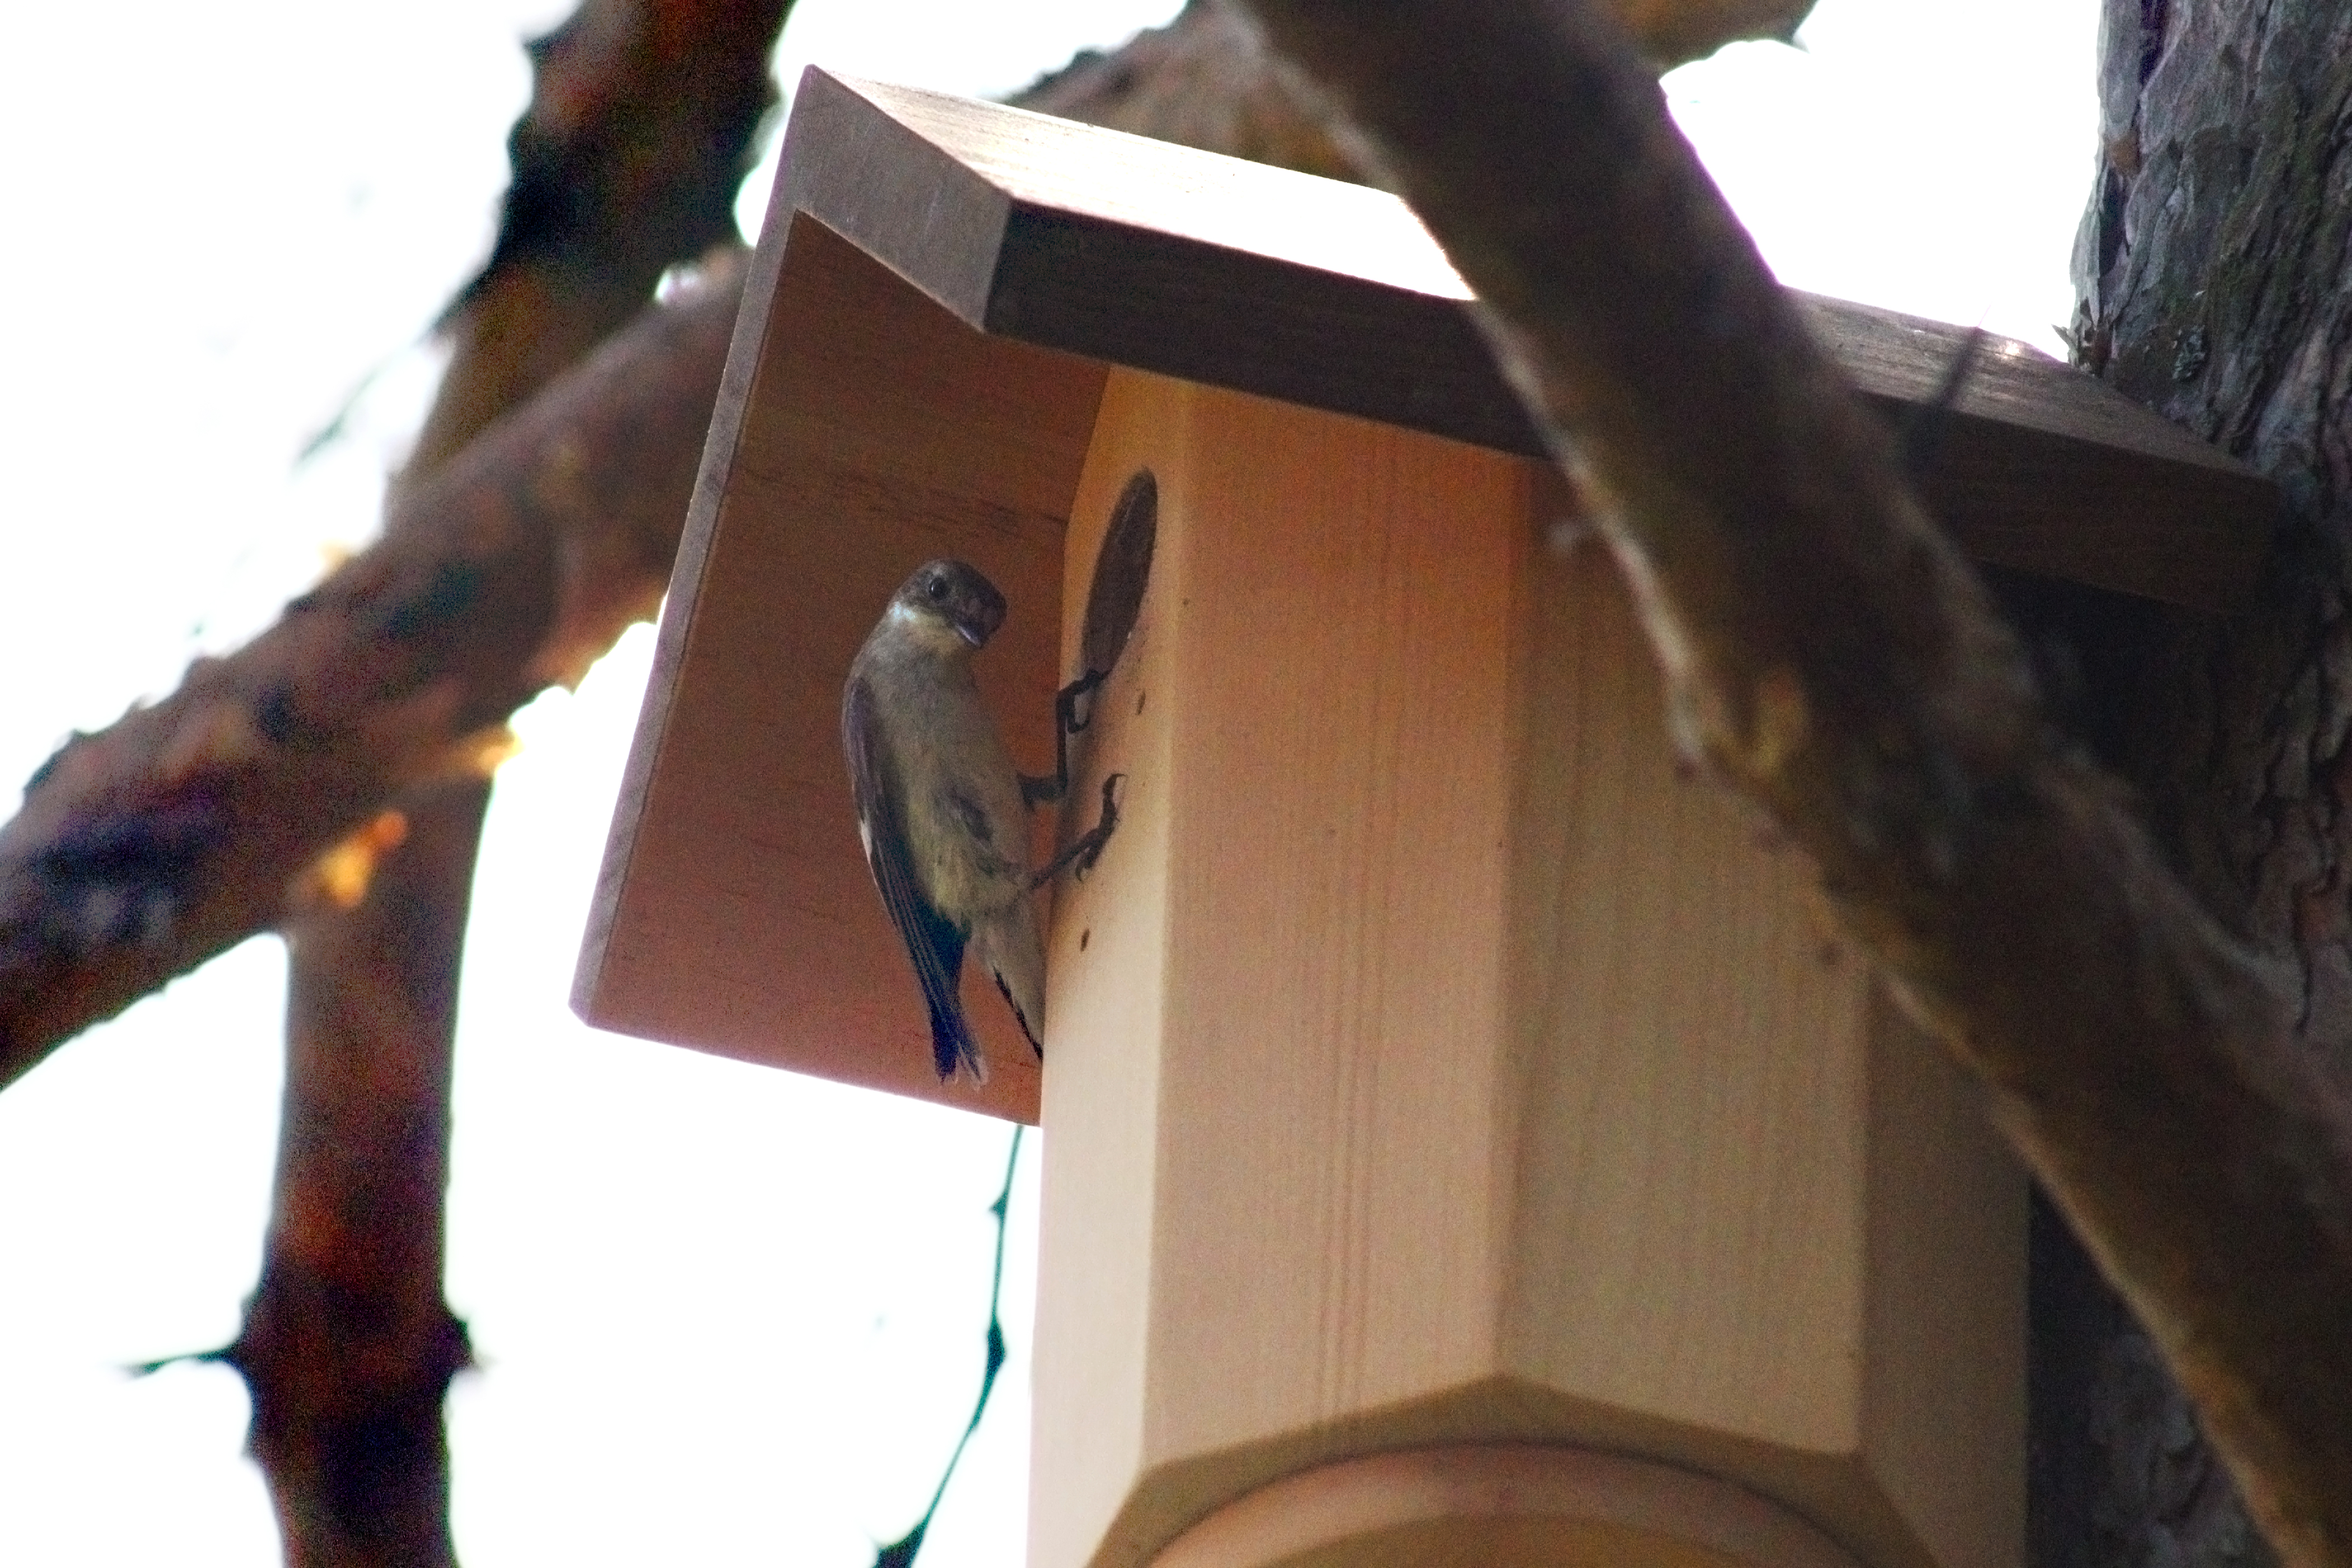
(1832, 657)
(2211, 274)
(640, 129)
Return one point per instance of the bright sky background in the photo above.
(725, 1315)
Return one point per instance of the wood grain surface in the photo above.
(735, 912)
(1435, 1063)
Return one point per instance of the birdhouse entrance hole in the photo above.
(1122, 571)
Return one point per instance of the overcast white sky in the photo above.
(725, 1315)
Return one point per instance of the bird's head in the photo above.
(952, 601)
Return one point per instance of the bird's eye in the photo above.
(937, 588)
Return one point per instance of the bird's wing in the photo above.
(932, 939)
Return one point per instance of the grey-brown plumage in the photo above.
(940, 806)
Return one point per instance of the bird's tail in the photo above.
(952, 1046)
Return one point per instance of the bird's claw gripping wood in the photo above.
(1067, 723)
(1087, 848)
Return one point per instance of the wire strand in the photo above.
(900, 1553)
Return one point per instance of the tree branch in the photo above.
(1207, 80)
(1834, 659)
(347, 1346)
(143, 850)
(642, 124)
(1669, 33)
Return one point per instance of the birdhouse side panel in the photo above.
(1944, 1406)
(1690, 1039)
(880, 432)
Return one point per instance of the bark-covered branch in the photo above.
(1668, 33)
(1834, 659)
(347, 1345)
(642, 123)
(1207, 79)
(145, 850)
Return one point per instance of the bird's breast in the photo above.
(969, 831)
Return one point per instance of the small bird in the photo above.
(941, 809)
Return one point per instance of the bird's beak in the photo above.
(969, 632)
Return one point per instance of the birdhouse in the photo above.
(1468, 1139)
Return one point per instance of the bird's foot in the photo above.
(1046, 791)
(1087, 848)
(1066, 702)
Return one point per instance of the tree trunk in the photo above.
(2209, 272)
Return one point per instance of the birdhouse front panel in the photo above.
(1440, 1063)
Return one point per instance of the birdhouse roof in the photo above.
(1234, 274)
(936, 298)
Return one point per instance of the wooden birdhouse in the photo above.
(1466, 1141)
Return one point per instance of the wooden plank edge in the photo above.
(738, 385)
(1254, 324)
(905, 199)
